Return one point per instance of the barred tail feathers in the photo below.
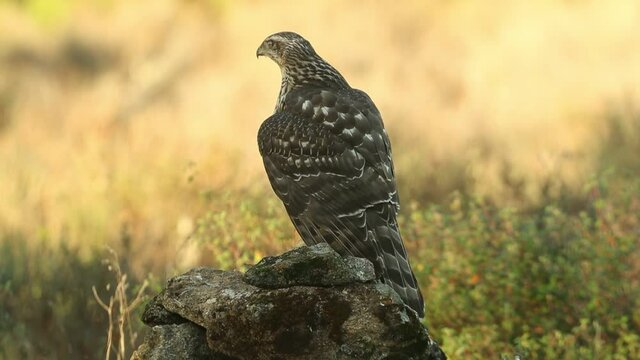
(395, 268)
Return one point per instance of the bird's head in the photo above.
(299, 63)
(286, 47)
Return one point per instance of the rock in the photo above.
(156, 314)
(177, 342)
(308, 303)
(315, 265)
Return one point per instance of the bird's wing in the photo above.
(327, 157)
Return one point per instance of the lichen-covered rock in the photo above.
(184, 341)
(306, 304)
(315, 265)
(156, 314)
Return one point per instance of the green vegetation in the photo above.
(555, 285)
(47, 306)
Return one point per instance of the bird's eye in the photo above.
(273, 44)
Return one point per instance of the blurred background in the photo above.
(130, 127)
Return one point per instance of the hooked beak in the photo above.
(262, 51)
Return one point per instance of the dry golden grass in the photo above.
(123, 122)
(118, 114)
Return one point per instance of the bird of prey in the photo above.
(328, 158)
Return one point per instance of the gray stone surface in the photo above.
(184, 341)
(315, 265)
(304, 304)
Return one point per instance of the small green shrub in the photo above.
(557, 285)
(240, 230)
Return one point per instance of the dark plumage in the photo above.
(328, 158)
